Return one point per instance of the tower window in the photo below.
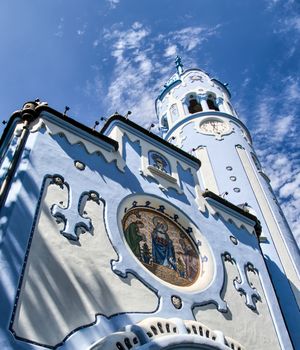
(211, 102)
(194, 106)
(164, 122)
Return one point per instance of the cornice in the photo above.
(224, 202)
(126, 122)
(32, 110)
(207, 114)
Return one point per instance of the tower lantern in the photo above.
(190, 92)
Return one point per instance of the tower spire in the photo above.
(179, 65)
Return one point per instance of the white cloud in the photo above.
(191, 37)
(275, 131)
(287, 23)
(113, 3)
(130, 91)
(283, 126)
(129, 88)
(291, 188)
(135, 51)
(137, 25)
(59, 31)
(81, 31)
(264, 112)
(170, 51)
(271, 3)
(292, 89)
(93, 88)
(125, 40)
(246, 82)
(291, 24)
(276, 113)
(280, 168)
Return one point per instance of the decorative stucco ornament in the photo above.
(177, 302)
(72, 214)
(79, 165)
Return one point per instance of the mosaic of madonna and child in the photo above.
(161, 246)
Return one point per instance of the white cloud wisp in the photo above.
(140, 71)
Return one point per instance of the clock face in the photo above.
(214, 126)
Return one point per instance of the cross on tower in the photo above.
(179, 65)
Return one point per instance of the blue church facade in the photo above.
(121, 239)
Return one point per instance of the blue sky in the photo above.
(101, 56)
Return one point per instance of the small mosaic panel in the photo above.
(159, 162)
(161, 246)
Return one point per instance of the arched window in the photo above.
(193, 105)
(211, 102)
(164, 122)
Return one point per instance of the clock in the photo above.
(214, 126)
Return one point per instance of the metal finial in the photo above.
(172, 139)
(179, 65)
(150, 127)
(127, 114)
(96, 124)
(66, 110)
(224, 194)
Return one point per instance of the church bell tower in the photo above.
(196, 115)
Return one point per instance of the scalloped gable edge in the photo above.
(230, 211)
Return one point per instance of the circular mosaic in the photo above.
(162, 246)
